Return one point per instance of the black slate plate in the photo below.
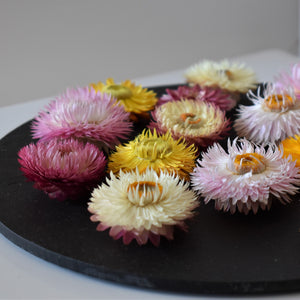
(221, 254)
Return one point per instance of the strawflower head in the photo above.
(142, 206)
(246, 178)
(134, 98)
(198, 122)
(63, 169)
(272, 117)
(292, 79)
(232, 77)
(212, 95)
(150, 150)
(291, 147)
(83, 114)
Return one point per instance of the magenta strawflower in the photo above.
(212, 95)
(66, 169)
(85, 115)
(248, 177)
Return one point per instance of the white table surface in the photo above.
(24, 276)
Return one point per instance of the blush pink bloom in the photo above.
(291, 79)
(85, 115)
(212, 95)
(273, 116)
(63, 169)
(246, 178)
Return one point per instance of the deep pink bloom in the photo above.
(212, 95)
(63, 169)
(85, 115)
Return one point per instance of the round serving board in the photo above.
(221, 253)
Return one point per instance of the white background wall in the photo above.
(46, 46)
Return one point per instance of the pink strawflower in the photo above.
(273, 117)
(212, 95)
(198, 122)
(63, 169)
(86, 115)
(248, 177)
(292, 79)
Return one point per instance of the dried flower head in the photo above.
(291, 79)
(272, 117)
(248, 177)
(211, 95)
(142, 206)
(198, 122)
(232, 77)
(85, 115)
(150, 150)
(135, 99)
(63, 169)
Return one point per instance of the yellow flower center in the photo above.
(117, 91)
(248, 162)
(190, 118)
(279, 102)
(146, 191)
(153, 149)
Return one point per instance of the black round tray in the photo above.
(221, 253)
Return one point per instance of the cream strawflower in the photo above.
(142, 206)
(233, 77)
(198, 122)
(273, 116)
(248, 177)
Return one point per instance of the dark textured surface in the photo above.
(221, 253)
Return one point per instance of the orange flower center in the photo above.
(249, 162)
(279, 102)
(146, 191)
(153, 149)
(190, 118)
(117, 91)
(227, 73)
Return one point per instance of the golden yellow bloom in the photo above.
(149, 150)
(291, 146)
(135, 99)
(233, 77)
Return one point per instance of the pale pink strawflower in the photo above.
(274, 116)
(198, 122)
(86, 115)
(142, 206)
(65, 169)
(291, 78)
(246, 178)
(212, 95)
